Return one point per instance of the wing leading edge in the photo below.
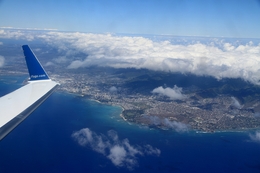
(19, 104)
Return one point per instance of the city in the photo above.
(205, 114)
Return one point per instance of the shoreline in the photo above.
(245, 130)
(121, 114)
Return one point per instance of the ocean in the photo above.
(69, 133)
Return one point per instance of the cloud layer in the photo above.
(174, 93)
(120, 152)
(215, 57)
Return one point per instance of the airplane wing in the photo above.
(19, 104)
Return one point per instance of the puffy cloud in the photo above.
(120, 152)
(2, 61)
(154, 120)
(177, 126)
(255, 137)
(85, 137)
(174, 93)
(49, 63)
(61, 59)
(113, 89)
(215, 57)
(118, 155)
(75, 64)
(151, 150)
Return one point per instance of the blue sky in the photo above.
(228, 18)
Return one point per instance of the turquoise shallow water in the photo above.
(44, 142)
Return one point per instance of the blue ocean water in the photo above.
(44, 142)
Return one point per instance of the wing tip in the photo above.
(36, 71)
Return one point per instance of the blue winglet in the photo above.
(35, 69)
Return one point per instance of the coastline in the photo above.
(190, 130)
(121, 114)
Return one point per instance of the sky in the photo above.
(94, 29)
(214, 18)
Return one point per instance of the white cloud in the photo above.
(236, 103)
(217, 57)
(113, 89)
(84, 136)
(61, 59)
(75, 64)
(152, 151)
(120, 152)
(118, 155)
(174, 93)
(177, 126)
(138, 52)
(2, 61)
(255, 137)
(16, 34)
(49, 64)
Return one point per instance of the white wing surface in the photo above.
(17, 105)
